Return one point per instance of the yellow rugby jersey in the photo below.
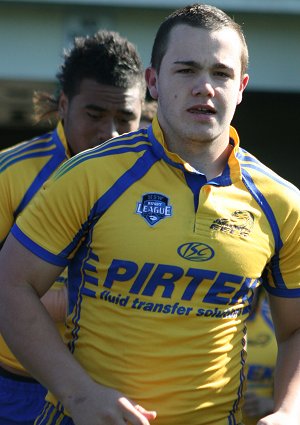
(261, 353)
(23, 170)
(162, 266)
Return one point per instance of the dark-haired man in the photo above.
(101, 94)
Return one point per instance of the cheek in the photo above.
(83, 131)
(133, 126)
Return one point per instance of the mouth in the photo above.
(203, 110)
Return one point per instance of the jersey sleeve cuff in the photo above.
(38, 250)
(283, 292)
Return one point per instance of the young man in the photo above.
(166, 233)
(102, 92)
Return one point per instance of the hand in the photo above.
(101, 405)
(279, 418)
(257, 406)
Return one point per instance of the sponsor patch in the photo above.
(240, 223)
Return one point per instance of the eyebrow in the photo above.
(96, 108)
(197, 65)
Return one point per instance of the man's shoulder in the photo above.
(124, 149)
(27, 150)
(263, 175)
(126, 144)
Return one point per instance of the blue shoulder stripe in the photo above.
(24, 151)
(263, 203)
(135, 173)
(19, 147)
(58, 156)
(249, 161)
(126, 139)
(114, 148)
(39, 180)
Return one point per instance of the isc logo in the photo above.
(195, 251)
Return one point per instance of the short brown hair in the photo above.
(196, 15)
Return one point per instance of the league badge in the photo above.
(154, 207)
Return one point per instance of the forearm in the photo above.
(36, 342)
(30, 337)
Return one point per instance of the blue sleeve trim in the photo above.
(284, 293)
(36, 249)
(276, 273)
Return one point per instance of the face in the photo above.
(199, 85)
(99, 112)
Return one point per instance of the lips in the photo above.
(202, 109)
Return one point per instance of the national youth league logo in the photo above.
(154, 207)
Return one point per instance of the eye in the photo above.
(93, 116)
(185, 71)
(223, 74)
(124, 121)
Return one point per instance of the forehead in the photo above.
(106, 96)
(187, 43)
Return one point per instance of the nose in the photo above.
(203, 86)
(107, 130)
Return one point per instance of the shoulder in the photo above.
(29, 150)
(110, 157)
(270, 184)
(278, 198)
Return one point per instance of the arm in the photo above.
(55, 301)
(286, 318)
(24, 278)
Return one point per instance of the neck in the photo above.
(209, 159)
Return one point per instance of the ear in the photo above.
(151, 80)
(244, 82)
(63, 105)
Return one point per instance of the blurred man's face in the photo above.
(98, 113)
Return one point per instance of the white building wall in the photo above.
(32, 38)
(34, 33)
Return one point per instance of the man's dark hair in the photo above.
(105, 57)
(199, 16)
